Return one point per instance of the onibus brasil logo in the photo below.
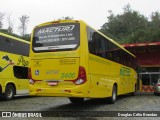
(10, 62)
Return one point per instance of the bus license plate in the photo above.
(52, 83)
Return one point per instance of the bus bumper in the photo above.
(58, 92)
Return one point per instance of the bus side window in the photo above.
(20, 72)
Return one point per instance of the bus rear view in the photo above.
(55, 68)
(71, 59)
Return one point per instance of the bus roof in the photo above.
(15, 38)
(81, 21)
(58, 21)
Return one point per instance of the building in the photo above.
(148, 58)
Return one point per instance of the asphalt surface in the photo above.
(141, 106)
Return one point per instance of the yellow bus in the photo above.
(14, 62)
(71, 59)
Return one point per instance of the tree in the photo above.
(24, 19)
(153, 31)
(10, 24)
(114, 27)
(127, 27)
(26, 37)
(135, 24)
(1, 18)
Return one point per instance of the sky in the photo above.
(93, 12)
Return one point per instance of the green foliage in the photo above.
(25, 37)
(132, 27)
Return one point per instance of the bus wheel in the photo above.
(76, 100)
(9, 92)
(113, 98)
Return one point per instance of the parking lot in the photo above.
(60, 107)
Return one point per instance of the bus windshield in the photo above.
(56, 37)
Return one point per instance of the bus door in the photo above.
(21, 73)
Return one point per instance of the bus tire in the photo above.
(132, 93)
(9, 92)
(76, 100)
(113, 98)
(156, 94)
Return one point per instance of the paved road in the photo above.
(90, 107)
